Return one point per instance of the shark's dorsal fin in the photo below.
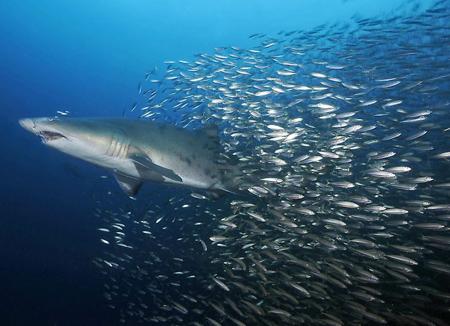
(150, 170)
(128, 184)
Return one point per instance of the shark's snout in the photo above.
(42, 128)
(28, 124)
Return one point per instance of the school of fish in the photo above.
(343, 216)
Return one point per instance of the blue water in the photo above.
(88, 57)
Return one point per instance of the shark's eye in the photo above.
(51, 135)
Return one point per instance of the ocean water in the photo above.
(91, 59)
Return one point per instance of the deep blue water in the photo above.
(88, 57)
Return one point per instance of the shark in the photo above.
(139, 150)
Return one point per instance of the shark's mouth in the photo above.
(47, 136)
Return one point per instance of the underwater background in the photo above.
(88, 57)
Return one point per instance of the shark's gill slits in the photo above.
(124, 150)
(110, 149)
(114, 147)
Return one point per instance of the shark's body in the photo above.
(138, 150)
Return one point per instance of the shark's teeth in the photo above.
(50, 135)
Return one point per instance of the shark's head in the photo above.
(77, 137)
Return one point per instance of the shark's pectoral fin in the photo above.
(168, 173)
(150, 170)
(128, 184)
